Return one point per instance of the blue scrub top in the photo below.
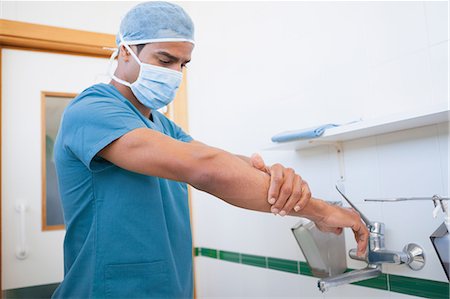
(128, 235)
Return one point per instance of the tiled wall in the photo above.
(396, 284)
(261, 68)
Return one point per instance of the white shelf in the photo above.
(370, 127)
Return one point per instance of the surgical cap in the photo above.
(155, 21)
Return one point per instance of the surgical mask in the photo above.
(155, 86)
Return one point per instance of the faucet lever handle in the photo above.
(363, 217)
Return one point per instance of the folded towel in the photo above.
(308, 133)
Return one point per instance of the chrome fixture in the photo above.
(376, 255)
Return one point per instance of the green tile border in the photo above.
(305, 269)
(253, 260)
(418, 287)
(389, 282)
(380, 282)
(208, 252)
(282, 265)
(230, 256)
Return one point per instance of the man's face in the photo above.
(171, 55)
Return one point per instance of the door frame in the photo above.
(42, 38)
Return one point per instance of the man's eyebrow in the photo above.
(170, 56)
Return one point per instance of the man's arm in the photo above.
(206, 168)
(216, 172)
(287, 190)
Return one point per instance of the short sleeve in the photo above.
(176, 132)
(180, 134)
(91, 123)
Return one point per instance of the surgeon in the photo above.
(123, 170)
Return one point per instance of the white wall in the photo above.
(259, 68)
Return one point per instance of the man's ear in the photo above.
(123, 52)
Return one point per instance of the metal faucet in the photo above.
(376, 255)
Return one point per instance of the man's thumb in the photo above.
(258, 162)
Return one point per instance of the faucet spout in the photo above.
(353, 276)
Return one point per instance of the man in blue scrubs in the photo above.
(123, 168)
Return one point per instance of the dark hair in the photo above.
(139, 48)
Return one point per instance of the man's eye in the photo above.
(164, 61)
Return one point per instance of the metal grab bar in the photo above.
(22, 251)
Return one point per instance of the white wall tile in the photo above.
(394, 295)
(288, 285)
(361, 169)
(409, 162)
(399, 85)
(436, 13)
(352, 291)
(444, 146)
(393, 30)
(439, 72)
(216, 278)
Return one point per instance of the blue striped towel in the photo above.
(308, 133)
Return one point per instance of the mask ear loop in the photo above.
(111, 61)
(115, 54)
(122, 42)
(111, 71)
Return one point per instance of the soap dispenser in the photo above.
(441, 237)
(324, 252)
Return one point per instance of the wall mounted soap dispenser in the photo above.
(441, 237)
(324, 252)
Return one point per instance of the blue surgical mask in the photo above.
(155, 86)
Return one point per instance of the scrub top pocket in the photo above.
(141, 280)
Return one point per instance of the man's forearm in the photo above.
(234, 180)
(244, 158)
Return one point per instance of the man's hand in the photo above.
(285, 185)
(287, 189)
(336, 218)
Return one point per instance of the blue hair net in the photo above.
(155, 21)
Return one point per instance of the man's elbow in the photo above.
(207, 171)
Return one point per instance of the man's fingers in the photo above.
(300, 196)
(258, 162)
(305, 197)
(276, 181)
(295, 198)
(284, 192)
(361, 236)
(340, 218)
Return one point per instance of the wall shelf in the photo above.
(370, 127)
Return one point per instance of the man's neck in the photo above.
(127, 93)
